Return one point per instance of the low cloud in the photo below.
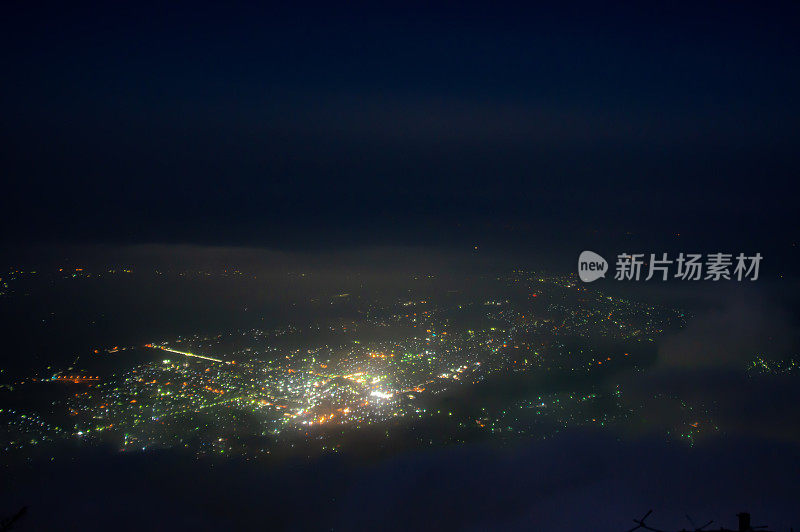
(730, 333)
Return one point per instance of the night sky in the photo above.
(317, 127)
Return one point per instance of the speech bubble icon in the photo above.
(591, 266)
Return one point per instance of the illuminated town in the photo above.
(409, 373)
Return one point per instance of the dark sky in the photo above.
(314, 127)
